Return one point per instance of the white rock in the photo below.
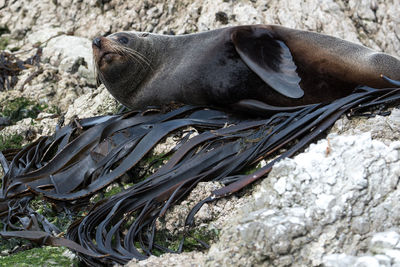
(339, 260)
(67, 52)
(366, 261)
(280, 186)
(384, 240)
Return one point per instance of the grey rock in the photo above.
(385, 240)
(336, 208)
(71, 54)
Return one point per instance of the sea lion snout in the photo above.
(102, 51)
(100, 43)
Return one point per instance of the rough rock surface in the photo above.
(372, 22)
(334, 205)
(308, 208)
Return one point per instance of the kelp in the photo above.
(83, 158)
(11, 66)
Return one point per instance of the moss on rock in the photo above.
(10, 141)
(44, 256)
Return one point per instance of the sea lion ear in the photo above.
(269, 58)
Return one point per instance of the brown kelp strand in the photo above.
(83, 158)
(11, 66)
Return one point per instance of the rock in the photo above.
(221, 17)
(380, 127)
(385, 240)
(174, 219)
(335, 204)
(383, 251)
(42, 35)
(298, 220)
(186, 259)
(71, 54)
(338, 260)
(372, 22)
(98, 102)
(31, 129)
(300, 223)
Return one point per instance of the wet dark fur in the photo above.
(206, 69)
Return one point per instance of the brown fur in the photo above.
(207, 68)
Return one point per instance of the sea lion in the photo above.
(273, 64)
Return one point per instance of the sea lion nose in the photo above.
(97, 42)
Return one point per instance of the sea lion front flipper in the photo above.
(269, 58)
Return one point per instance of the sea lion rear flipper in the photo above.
(269, 58)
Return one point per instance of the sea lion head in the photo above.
(122, 60)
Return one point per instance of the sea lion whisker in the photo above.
(135, 56)
(96, 71)
(123, 51)
(141, 56)
(98, 76)
(129, 51)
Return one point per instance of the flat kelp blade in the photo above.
(79, 161)
(225, 153)
(181, 173)
(4, 163)
(83, 142)
(73, 151)
(147, 204)
(154, 135)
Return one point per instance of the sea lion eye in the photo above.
(123, 39)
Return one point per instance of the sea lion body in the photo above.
(273, 64)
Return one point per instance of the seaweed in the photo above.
(11, 66)
(83, 158)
